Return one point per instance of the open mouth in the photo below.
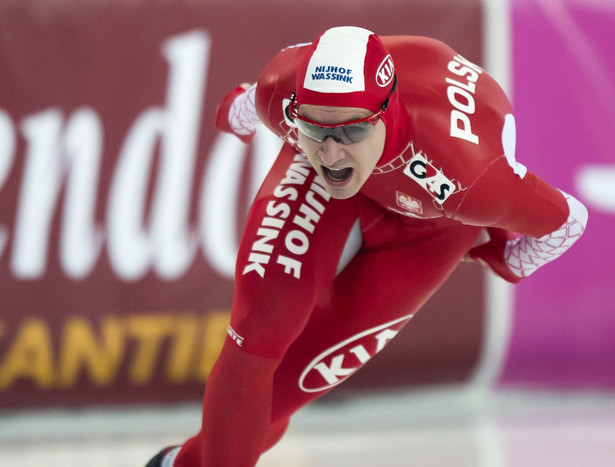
(337, 176)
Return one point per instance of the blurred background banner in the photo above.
(563, 334)
(121, 208)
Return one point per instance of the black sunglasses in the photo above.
(348, 132)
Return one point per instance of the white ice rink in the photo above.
(437, 428)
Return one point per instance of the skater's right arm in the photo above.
(237, 408)
(263, 102)
(275, 293)
(237, 112)
(276, 283)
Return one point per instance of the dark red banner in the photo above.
(121, 209)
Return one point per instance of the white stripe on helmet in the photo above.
(336, 66)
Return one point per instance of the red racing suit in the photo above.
(323, 284)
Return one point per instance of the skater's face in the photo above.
(345, 155)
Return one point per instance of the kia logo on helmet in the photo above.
(385, 72)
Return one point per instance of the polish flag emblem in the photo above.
(408, 203)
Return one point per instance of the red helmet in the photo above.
(346, 66)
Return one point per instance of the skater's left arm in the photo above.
(530, 223)
(514, 258)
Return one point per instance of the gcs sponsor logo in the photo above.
(431, 179)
